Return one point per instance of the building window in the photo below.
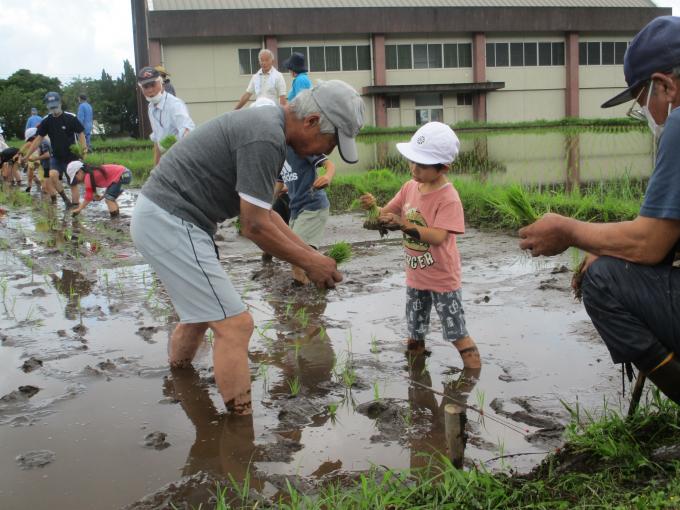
(392, 102)
(428, 56)
(524, 54)
(517, 54)
(464, 99)
(331, 58)
(248, 62)
(316, 59)
(604, 53)
(531, 54)
(429, 108)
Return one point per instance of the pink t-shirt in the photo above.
(428, 267)
(103, 179)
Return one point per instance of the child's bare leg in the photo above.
(113, 207)
(468, 352)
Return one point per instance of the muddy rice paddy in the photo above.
(91, 416)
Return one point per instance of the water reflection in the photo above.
(540, 156)
(424, 404)
(74, 286)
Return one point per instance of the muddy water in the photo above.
(91, 417)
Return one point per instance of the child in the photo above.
(44, 154)
(309, 204)
(428, 211)
(111, 177)
(9, 162)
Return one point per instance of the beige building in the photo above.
(413, 61)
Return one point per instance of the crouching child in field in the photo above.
(429, 212)
(112, 177)
(309, 205)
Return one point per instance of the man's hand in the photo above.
(322, 271)
(580, 272)
(76, 211)
(548, 236)
(97, 198)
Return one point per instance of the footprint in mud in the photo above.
(549, 428)
(155, 440)
(31, 364)
(35, 459)
(20, 395)
(146, 332)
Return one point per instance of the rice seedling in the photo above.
(376, 391)
(76, 150)
(480, 396)
(340, 252)
(294, 385)
(263, 373)
(167, 142)
(374, 344)
(302, 317)
(4, 285)
(322, 333)
(332, 411)
(349, 376)
(210, 337)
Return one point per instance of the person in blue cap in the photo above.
(64, 130)
(33, 120)
(630, 285)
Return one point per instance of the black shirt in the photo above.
(8, 154)
(62, 131)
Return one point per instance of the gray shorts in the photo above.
(309, 226)
(183, 256)
(449, 306)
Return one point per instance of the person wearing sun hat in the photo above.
(630, 279)
(228, 167)
(428, 210)
(165, 76)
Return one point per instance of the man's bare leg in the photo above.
(468, 352)
(230, 359)
(184, 342)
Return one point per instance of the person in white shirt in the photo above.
(266, 82)
(168, 114)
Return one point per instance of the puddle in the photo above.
(85, 323)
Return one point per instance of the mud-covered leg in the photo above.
(230, 354)
(185, 341)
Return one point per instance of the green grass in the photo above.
(139, 162)
(490, 205)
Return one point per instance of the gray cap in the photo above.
(343, 106)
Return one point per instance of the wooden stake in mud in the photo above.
(637, 393)
(454, 427)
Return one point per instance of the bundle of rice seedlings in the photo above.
(167, 142)
(519, 202)
(76, 150)
(340, 252)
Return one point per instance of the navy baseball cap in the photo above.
(147, 75)
(52, 99)
(296, 63)
(655, 49)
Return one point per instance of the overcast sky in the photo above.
(78, 38)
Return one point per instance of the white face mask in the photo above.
(657, 129)
(155, 99)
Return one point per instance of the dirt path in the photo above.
(90, 415)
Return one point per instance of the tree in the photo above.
(18, 94)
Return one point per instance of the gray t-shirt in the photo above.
(200, 178)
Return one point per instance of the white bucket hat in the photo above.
(72, 169)
(434, 143)
(30, 133)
